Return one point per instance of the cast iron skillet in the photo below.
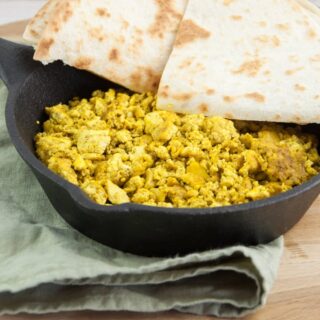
(134, 228)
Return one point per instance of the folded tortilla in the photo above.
(127, 42)
(38, 23)
(246, 59)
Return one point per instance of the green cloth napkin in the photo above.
(46, 266)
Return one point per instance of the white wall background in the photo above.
(13, 10)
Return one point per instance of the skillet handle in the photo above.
(16, 63)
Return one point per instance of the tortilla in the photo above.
(38, 23)
(248, 60)
(127, 42)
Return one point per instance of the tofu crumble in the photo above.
(118, 148)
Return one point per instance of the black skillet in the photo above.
(134, 228)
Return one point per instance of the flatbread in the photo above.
(246, 59)
(127, 42)
(38, 23)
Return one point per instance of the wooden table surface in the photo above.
(296, 293)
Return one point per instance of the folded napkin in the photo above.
(46, 266)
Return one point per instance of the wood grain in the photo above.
(13, 31)
(295, 296)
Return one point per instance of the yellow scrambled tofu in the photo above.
(119, 148)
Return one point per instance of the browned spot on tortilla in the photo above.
(182, 96)
(34, 33)
(271, 40)
(228, 115)
(55, 26)
(297, 119)
(138, 31)
(262, 38)
(102, 12)
(267, 73)
(190, 31)
(139, 41)
(282, 26)
(199, 67)
(315, 58)
(293, 71)
(135, 45)
(256, 96)
(145, 77)
(166, 20)
(67, 13)
(262, 23)
(312, 33)
(62, 12)
(41, 12)
(203, 108)
(83, 62)
(136, 41)
(316, 97)
(125, 24)
(97, 33)
(250, 68)
(210, 91)
(236, 18)
(228, 99)
(299, 87)
(114, 55)
(164, 92)
(57, 5)
(185, 63)
(136, 78)
(277, 117)
(276, 41)
(295, 6)
(121, 39)
(227, 2)
(43, 48)
(152, 78)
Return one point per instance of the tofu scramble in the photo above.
(117, 147)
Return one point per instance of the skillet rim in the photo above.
(79, 197)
